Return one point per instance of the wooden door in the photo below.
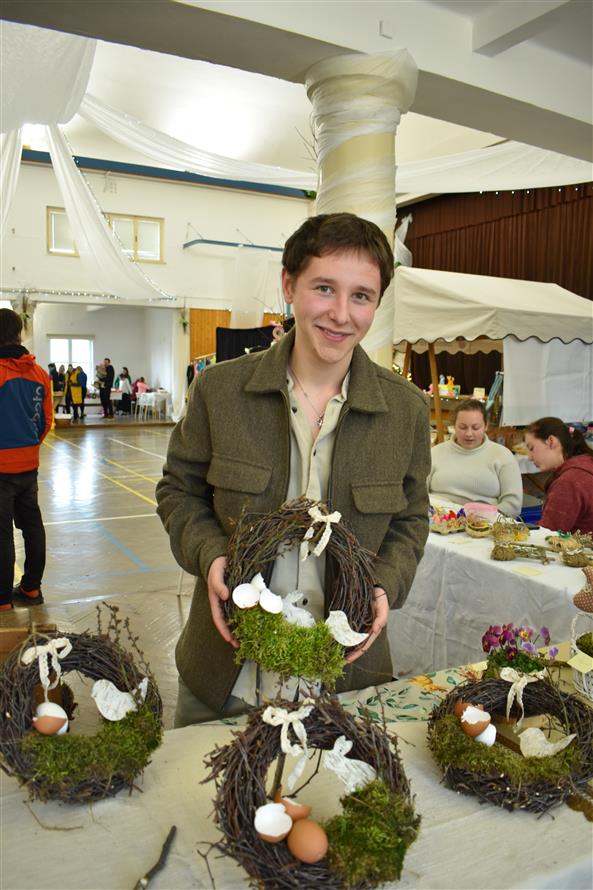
(202, 330)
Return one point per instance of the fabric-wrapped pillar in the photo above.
(357, 104)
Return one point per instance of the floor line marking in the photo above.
(129, 554)
(102, 519)
(111, 479)
(119, 466)
(135, 447)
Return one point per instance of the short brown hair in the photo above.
(11, 326)
(335, 233)
(469, 405)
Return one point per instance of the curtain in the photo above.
(232, 342)
(543, 235)
(44, 75)
(10, 162)
(101, 255)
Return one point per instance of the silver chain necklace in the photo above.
(320, 417)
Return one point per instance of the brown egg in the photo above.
(50, 719)
(294, 809)
(307, 841)
(461, 705)
(473, 722)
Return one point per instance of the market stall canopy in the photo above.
(431, 305)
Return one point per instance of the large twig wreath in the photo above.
(75, 768)
(259, 539)
(473, 768)
(240, 770)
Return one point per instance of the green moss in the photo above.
(289, 650)
(120, 748)
(521, 662)
(585, 644)
(452, 747)
(369, 839)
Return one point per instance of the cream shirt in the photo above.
(310, 464)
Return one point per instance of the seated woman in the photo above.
(554, 446)
(469, 467)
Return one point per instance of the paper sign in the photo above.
(581, 662)
(527, 570)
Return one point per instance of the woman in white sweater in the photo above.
(469, 467)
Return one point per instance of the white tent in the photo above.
(547, 332)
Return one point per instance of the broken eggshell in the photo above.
(258, 582)
(294, 809)
(50, 719)
(245, 596)
(488, 736)
(341, 631)
(474, 721)
(461, 705)
(270, 602)
(272, 823)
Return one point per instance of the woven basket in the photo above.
(583, 683)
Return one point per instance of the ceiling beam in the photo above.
(504, 25)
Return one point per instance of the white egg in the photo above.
(270, 602)
(245, 596)
(488, 736)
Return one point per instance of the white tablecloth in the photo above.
(459, 592)
(156, 401)
(462, 844)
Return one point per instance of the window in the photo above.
(59, 235)
(75, 351)
(141, 236)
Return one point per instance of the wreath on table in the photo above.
(364, 845)
(36, 745)
(536, 774)
(274, 631)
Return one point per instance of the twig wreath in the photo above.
(269, 639)
(507, 778)
(68, 767)
(367, 842)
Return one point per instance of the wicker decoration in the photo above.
(509, 530)
(240, 770)
(484, 778)
(583, 682)
(259, 539)
(577, 558)
(504, 551)
(97, 657)
(477, 528)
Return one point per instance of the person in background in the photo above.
(26, 411)
(125, 385)
(82, 379)
(312, 415)
(61, 377)
(73, 391)
(106, 387)
(470, 467)
(562, 450)
(54, 377)
(141, 386)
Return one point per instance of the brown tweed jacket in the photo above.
(232, 449)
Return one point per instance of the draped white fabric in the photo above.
(179, 155)
(107, 266)
(251, 278)
(10, 162)
(509, 165)
(547, 379)
(44, 74)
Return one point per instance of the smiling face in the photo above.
(470, 429)
(546, 454)
(334, 300)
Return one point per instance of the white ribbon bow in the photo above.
(55, 649)
(518, 683)
(283, 718)
(317, 516)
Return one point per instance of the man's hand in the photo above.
(218, 592)
(380, 616)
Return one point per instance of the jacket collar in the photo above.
(364, 390)
(13, 350)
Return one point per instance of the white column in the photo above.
(357, 104)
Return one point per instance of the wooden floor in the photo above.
(105, 541)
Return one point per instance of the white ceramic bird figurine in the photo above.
(533, 743)
(293, 614)
(353, 773)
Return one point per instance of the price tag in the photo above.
(581, 662)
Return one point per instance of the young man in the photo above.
(105, 390)
(311, 415)
(26, 412)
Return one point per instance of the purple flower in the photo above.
(508, 633)
(495, 629)
(553, 652)
(545, 635)
(528, 647)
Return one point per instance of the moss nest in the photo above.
(368, 840)
(502, 776)
(585, 644)
(291, 651)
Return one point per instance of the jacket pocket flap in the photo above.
(237, 475)
(379, 497)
